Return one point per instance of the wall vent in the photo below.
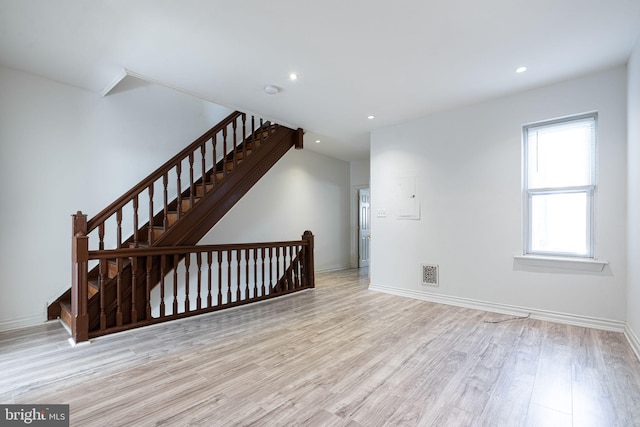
(429, 275)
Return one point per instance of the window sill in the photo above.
(580, 264)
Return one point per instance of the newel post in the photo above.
(79, 283)
(298, 141)
(308, 260)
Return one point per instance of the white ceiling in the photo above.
(396, 60)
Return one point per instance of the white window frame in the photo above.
(588, 190)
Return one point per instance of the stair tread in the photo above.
(65, 305)
(140, 244)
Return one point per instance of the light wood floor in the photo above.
(339, 355)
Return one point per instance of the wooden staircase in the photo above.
(209, 177)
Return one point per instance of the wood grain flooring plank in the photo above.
(542, 416)
(338, 355)
(451, 416)
(553, 384)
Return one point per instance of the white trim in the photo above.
(589, 119)
(118, 78)
(634, 342)
(24, 322)
(354, 257)
(580, 264)
(551, 316)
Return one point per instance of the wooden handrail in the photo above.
(158, 173)
(178, 250)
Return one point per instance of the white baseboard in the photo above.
(24, 322)
(330, 268)
(633, 340)
(551, 316)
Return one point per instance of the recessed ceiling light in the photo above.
(293, 76)
(371, 117)
(317, 141)
(521, 69)
(271, 89)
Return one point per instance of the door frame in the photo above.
(355, 231)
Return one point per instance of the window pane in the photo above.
(559, 223)
(560, 155)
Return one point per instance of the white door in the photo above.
(364, 227)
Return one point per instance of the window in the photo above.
(559, 179)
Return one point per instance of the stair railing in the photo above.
(179, 181)
(192, 279)
(158, 202)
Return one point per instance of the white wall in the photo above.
(633, 212)
(468, 182)
(62, 150)
(303, 191)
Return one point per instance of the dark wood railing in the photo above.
(158, 201)
(192, 280)
(124, 257)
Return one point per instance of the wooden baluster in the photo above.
(187, 264)
(203, 167)
(134, 289)
(294, 272)
(254, 143)
(224, 151)
(179, 184)
(244, 136)
(199, 262)
(310, 281)
(150, 190)
(119, 227)
(149, 265)
(135, 221)
(246, 274)
(263, 278)
(102, 274)
(299, 139)
(79, 278)
(229, 255)
(192, 189)
(119, 292)
(165, 184)
(261, 132)
(219, 278)
(235, 144)
(215, 160)
(303, 272)
(163, 272)
(298, 265)
(209, 277)
(101, 236)
(176, 260)
(238, 284)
